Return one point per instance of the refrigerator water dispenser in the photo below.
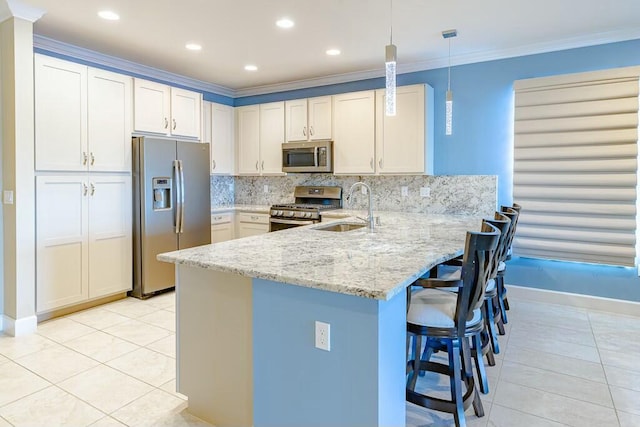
(161, 193)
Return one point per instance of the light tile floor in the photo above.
(114, 365)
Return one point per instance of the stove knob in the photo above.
(288, 213)
(308, 215)
(279, 213)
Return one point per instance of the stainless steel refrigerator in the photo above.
(171, 207)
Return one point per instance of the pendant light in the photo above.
(390, 71)
(448, 121)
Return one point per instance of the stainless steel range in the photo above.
(309, 204)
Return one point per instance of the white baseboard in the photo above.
(629, 308)
(16, 328)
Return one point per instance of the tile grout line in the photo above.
(613, 402)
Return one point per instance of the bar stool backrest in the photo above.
(502, 223)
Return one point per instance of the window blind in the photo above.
(575, 166)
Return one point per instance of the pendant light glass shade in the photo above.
(390, 80)
(448, 117)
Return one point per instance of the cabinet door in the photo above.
(61, 241)
(151, 107)
(354, 132)
(401, 138)
(60, 90)
(222, 149)
(271, 138)
(320, 118)
(205, 132)
(110, 265)
(248, 143)
(185, 112)
(109, 122)
(221, 232)
(296, 120)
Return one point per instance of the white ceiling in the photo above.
(237, 32)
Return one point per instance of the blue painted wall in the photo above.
(361, 378)
(482, 143)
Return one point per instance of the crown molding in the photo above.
(432, 64)
(129, 67)
(133, 68)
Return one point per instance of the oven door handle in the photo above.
(291, 221)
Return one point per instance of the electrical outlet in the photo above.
(404, 190)
(425, 192)
(266, 188)
(7, 197)
(323, 336)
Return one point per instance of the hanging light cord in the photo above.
(449, 71)
(391, 22)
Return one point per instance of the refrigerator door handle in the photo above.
(178, 210)
(181, 170)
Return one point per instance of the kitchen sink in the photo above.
(340, 227)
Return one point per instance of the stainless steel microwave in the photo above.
(315, 156)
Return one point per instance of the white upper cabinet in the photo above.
(82, 117)
(354, 133)
(162, 109)
(60, 115)
(260, 134)
(404, 142)
(185, 112)
(152, 108)
(222, 139)
(109, 122)
(308, 119)
(248, 139)
(271, 138)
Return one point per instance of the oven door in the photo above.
(277, 224)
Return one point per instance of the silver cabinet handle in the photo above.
(304, 131)
(174, 124)
(84, 189)
(84, 158)
(380, 163)
(93, 189)
(263, 165)
(311, 130)
(371, 163)
(93, 159)
(166, 123)
(213, 164)
(257, 168)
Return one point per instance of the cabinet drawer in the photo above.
(222, 218)
(253, 217)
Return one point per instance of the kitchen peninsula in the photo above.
(246, 312)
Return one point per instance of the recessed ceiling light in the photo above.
(284, 23)
(251, 68)
(333, 52)
(193, 46)
(108, 15)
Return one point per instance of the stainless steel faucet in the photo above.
(370, 221)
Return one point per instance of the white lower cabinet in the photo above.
(83, 243)
(252, 224)
(222, 227)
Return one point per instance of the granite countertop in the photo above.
(378, 264)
